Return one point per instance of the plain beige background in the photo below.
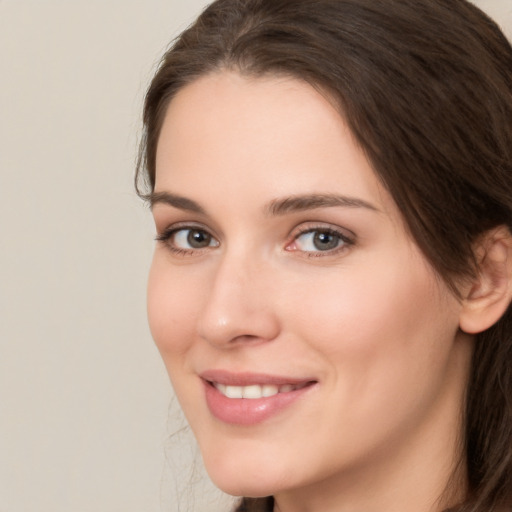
(85, 411)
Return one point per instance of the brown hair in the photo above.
(426, 88)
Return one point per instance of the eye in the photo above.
(192, 239)
(187, 239)
(319, 240)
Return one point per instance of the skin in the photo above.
(369, 321)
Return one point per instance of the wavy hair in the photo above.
(426, 89)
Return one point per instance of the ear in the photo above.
(490, 293)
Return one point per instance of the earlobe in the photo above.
(491, 291)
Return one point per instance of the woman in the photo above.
(331, 182)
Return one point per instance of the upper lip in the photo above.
(248, 378)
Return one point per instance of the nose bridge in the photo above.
(237, 305)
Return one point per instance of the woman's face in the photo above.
(306, 337)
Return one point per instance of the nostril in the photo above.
(237, 327)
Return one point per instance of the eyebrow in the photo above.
(273, 208)
(180, 202)
(312, 201)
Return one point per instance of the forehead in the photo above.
(279, 136)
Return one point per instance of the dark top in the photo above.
(256, 505)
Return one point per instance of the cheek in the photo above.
(399, 295)
(172, 307)
(384, 344)
(382, 325)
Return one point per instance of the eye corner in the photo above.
(187, 239)
(320, 240)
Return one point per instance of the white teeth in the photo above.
(221, 388)
(252, 391)
(269, 390)
(255, 391)
(234, 391)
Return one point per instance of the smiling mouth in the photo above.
(256, 391)
(246, 399)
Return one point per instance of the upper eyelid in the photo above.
(308, 226)
(346, 236)
(302, 228)
(165, 223)
(165, 238)
(177, 226)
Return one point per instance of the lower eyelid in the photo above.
(168, 239)
(344, 241)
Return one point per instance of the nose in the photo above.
(238, 306)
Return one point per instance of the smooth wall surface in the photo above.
(86, 411)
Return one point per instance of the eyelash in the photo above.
(344, 241)
(166, 236)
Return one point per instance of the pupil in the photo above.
(198, 239)
(325, 241)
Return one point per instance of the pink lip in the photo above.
(242, 411)
(247, 379)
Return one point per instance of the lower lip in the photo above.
(249, 411)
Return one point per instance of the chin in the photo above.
(245, 478)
